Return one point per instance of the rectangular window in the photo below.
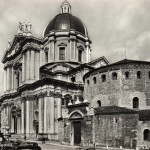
(62, 53)
(46, 56)
(80, 56)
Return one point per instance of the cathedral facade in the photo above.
(52, 87)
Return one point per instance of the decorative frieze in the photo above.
(55, 94)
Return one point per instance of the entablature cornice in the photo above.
(23, 90)
(31, 46)
(133, 66)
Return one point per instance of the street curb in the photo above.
(54, 144)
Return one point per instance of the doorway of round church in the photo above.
(77, 132)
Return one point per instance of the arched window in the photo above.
(88, 82)
(149, 74)
(139, 75)
(146, 134)
(73, 79)
(135, 102)
(80, 56)
(94, 80)
(114, 76)
(127, 74)
(99, 103)
(103, 78)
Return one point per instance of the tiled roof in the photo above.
(106, 110)
(144, 115)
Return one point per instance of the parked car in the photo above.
(29, 146)
(85, 148)
(18, 145)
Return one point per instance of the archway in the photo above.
(76, 118)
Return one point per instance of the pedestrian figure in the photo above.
(42, 140)
(25, 137)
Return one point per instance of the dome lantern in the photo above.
(65, 7)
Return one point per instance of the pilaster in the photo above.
(5, 79)
(32, 66)
(28, 66)
(27, 117)
(22, 117)
(52, 113)
(12, 87)
(23, 68)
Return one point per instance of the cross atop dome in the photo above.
(65, 7)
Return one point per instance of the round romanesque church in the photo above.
(53, 89)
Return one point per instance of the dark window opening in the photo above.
(80, 56)
(139, 75)
(62, 53)
(73, 79)
(99, 103)
(63, 101)
(36, 102)
(94, 80)
(103, 78)
(18, 76)
(46, 56)
(126, 75)
(146, 134)
(135, 102)
(88, 82)
(114, 76)
(116, 120)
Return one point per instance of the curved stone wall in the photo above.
(121, 90)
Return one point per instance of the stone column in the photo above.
(87, 52)
(27, 117)
(23, 68)
(52, 49)
(9, 115)
(8, 79)
(32, 67)
(12, 87)
(22, 117)
(58, 100)
(5, 79)
(2, 117)
(41, 115)
(28, 66)
(41, 57)
(45, 114)
(37, 65)
(12, 124)
(18, 125)
(31, 116)
(52, 115)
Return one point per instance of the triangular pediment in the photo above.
(99, 62)
(76, 115)
(13, 47)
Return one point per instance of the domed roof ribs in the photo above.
(66, 22)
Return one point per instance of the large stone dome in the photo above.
(66, 22)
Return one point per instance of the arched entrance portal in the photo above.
(76, 118)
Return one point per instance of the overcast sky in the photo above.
(113, 25)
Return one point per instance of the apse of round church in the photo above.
(125, 83)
